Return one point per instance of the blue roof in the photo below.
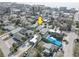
(54, 40)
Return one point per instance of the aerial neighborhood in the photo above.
(38, 31)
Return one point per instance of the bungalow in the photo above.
(9, 28)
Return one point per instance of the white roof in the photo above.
(16, 30)
(9, 27)
(53, 30)
(34, 40)
(46, 50)
(58, 31)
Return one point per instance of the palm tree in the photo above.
(24, 39)
(14, 47)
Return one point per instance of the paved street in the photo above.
(68, 49)
(4, 48)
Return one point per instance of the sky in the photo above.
(56, 4)
(51, 3)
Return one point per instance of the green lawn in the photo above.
(1, 54)
(1, 32)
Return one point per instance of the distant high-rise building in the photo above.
(63, 9)
(55, 9)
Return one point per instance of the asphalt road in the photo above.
(68, 48)
(4, 48)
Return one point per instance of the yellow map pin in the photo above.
(39, 20)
